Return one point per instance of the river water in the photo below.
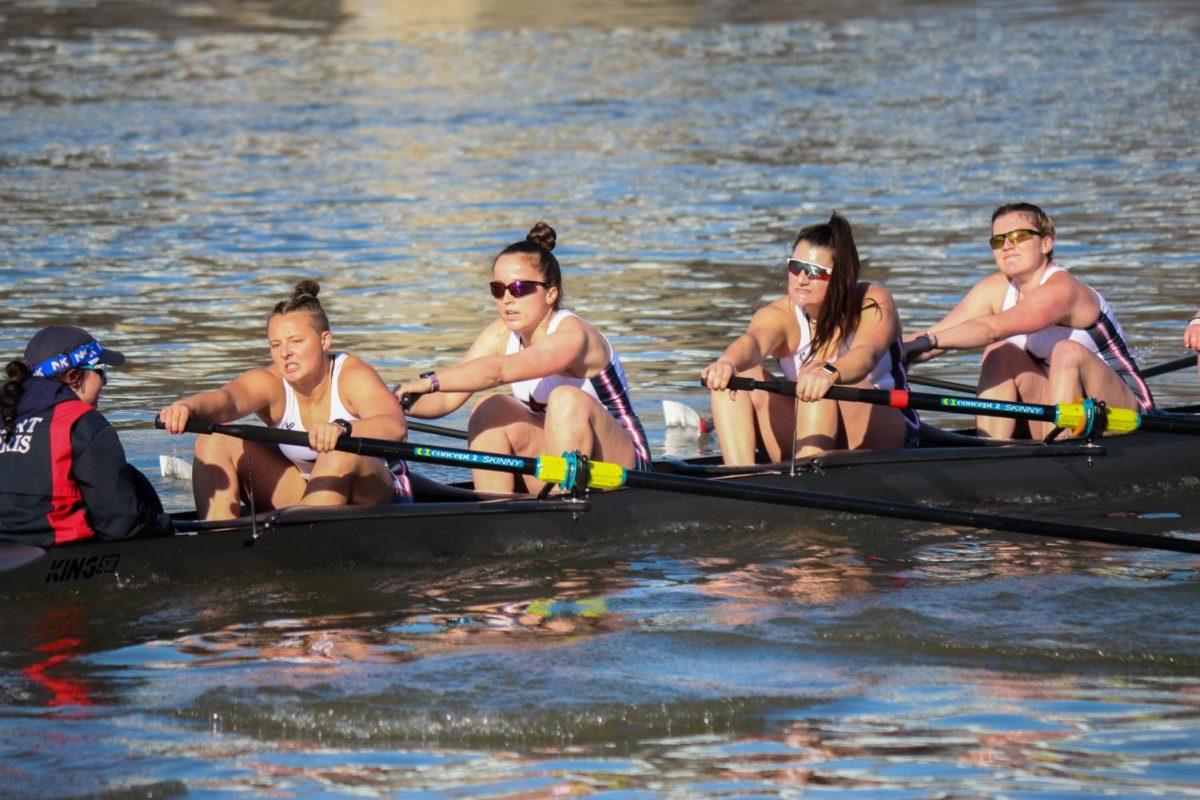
(168, 171)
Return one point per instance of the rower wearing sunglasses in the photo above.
(829, 328)
(1048, 337)
(569, 391)
(63, 473)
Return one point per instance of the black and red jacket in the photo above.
(64, 478)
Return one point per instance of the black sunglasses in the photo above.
(516, 288)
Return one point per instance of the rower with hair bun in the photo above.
(569, 389)
(306, 388)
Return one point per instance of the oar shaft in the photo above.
(909, 511)
(437, 430)
(1170, 366)
(380, 448)
(1083, 417)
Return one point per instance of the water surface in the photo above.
(168, 172)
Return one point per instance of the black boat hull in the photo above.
(460, 524)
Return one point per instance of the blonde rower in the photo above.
(1047, 336)
(307, 387)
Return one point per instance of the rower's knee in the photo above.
(216, 448)
(490, 412)
(568, 404)
(1068, 355)
(1004, 358)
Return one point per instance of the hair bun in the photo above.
(542, 235)
(306, 287)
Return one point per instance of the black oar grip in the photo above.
(192, 426)
(749, 385)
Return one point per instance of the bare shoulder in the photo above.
(355, 369)
(995, 285)
(874, 292)
(493, 338)
(778, 313)
(260, 381)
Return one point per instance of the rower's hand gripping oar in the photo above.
(604, 475)
(1086, 418)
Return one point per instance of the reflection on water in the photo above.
(168, 171)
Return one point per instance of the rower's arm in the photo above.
(765, 334)
(367, 397)
(984, 299)
(556, 353)
(249, 393)
(877, 330)
(1191, 334)
(490, 341)
(1040, 308)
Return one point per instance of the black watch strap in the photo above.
(345, 425)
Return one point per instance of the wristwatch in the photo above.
(832, 370)
(434, 384)
(344, 424)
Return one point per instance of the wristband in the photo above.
(1194, 320)
(434, 384)
(344, 424)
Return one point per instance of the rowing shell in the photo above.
(452, 522)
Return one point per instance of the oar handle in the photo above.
(1170, 366)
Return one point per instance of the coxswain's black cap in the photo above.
(58, 348)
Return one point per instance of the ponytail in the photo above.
(842, 309)
(18, 372)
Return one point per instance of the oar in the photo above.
(1170, 366)
(1084, 418)
(1151, 372)
(935, 383)
(438, 430)
(603, 475)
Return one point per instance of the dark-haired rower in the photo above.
(63, 474)
(306, 388)
(569, 390)
(829, 328)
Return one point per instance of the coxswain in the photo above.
(63, 473)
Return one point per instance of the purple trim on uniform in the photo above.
(912, 421)
(614, 394)
(402, 491)
(1113, 349)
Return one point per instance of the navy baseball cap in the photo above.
(59, 348)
